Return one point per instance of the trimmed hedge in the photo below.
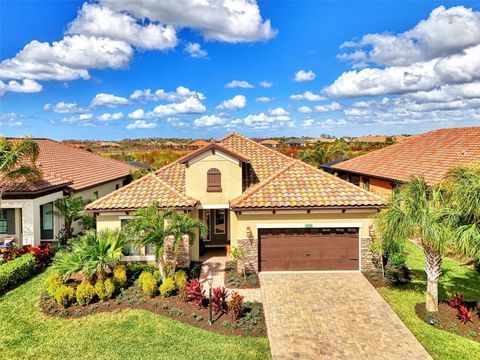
(16, 271)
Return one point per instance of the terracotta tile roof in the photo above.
(431, 154)
(273, 179)
(303, 186)
(64, 165)
(141, 193)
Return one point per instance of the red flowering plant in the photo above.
(43, 253)
(463, 314)
(219, 300)
(195, 293)
(456, 301)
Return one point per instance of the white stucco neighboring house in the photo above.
(26, 208)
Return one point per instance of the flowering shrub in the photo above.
(219, 300)
(463, 314)
(456, 301)
(235, 305)
(43, 253)
(195, 292)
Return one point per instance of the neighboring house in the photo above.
(378, 139)
(430, 155)
(269, 143)
(296, 142)
(320, 140)
(27, 207)
(198, 144)
(285, 214)
(138, 165)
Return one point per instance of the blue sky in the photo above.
(407, 67)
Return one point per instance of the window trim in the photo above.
(46, 234)
(224, 222)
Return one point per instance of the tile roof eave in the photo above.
(334, 167)
(102, 210)
(336, 207)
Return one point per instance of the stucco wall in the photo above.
(378, 186)
(196, 179)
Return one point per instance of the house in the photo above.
(285, 214)
(296, 142)
(378, 139)
(430, 155)
(198, 144)
(27, 210)
(320, 140)
(269, 143)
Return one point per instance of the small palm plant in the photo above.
(71, 209)
(93, 254)
(323, 153)
(182, 226)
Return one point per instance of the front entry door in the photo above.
(216, 221)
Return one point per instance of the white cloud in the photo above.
(210, 120)
(264, 99)
(334, 106)
(110, 116)
(304, 109)
(266, 121)
(64, 108)
(10, 120)
(222, 20)
(445, 32)
(141, 124)
(137, 114)
(82, 120)
(190, 105)
(195, 50)
(180, 94)
(279, 111)
(308, 96)
(308, 123)
(238, 102)
(239, 84)
(108, 100)
(266, 84)
(303, 75)
(26, 86)
(67, 59)
(99, 21)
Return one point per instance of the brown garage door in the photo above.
(309, 249)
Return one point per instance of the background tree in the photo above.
(71, 209)
(17, 160)
(325, 152)
(420, 212)
(180, 226)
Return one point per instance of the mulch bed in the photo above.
(236, 280)
(251, 324)
(375, 278)
(446, 319)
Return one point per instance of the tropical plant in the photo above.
(419, 212)
(85, 293)
(71, 209)
(17, 160)
(235, 305)
(168, 287)
(219, 300)
(148, 283)
(150, 227)
(195, 292)
(119, 276)
(104, 289)
(325, 152)
(93, 254)
(181, 227)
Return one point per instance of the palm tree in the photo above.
(93, 254)
(150, 227)
(17, 160)
(421, 213)
(323, 153)
(71, 209)
(181, 226)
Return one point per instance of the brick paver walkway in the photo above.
(333, 316)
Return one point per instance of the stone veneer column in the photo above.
(183, 257)
(250, 260)
(367, 256)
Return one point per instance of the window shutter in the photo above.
(214, 180)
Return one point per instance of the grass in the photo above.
(455, 278)
(29, 334)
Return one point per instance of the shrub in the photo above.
(195, 292)
(219, 300)
(43, 253)
(64, 295)
(104, 289)
(147, 283)
(119, 276)
(463, 314)
(168, 287)
(134, 270)
(235, 305)
(456, 301)
(85, 293)
(398, 276)
(195, 269)
(180, 278)
(14, 272)
(52, 282)
(399, 260)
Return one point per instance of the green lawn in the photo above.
(455, 278)
(28, 334)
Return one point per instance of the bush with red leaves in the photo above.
(235, 305)
(43, 253)
(219, 300)
(456, 301)
(463, 314)
(195, 293)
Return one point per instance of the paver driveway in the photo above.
(332, 316)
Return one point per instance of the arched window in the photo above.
(214, 180)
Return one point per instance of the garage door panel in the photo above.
(309, 249)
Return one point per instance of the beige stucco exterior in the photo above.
(196, 178)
